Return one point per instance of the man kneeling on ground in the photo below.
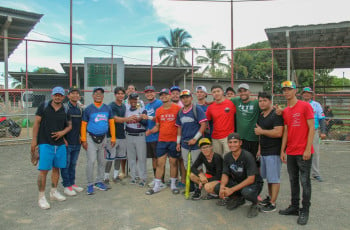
(213, 166)
(240, 178)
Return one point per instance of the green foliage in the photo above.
(213, 59)
(44, 70)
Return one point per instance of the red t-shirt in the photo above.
(167, 119)
(222, 114)
(296, 119)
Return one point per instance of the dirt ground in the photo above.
(127, 206)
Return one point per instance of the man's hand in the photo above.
(203, 179)
(65, 142)
(306, 155)
(84, 144)
(323, 136)
(57, 135)
(113, 143)
(192, 142)
(148, 132)
(258, 130)
(279, 110)
(132, 118)
(33, 146)
(178, 147)
(284, 157)
(258, 154)
(34, 156)
(144, 117)
(229, 191)
(222, 192)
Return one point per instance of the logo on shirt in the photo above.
(100, 117)
(296, 119)
(186, 120)
(246, 108)
(167, 117)
(227, 109)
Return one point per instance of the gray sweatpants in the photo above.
(95, 151)
(315, 169)
(136, 149)
(194, 155)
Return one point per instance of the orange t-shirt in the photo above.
(166, 118)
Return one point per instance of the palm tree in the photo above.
(175, 48)
(213, 57)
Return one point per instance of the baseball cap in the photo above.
(243, 86)
(58, 90)
(98, 88)
(185, 92)
(133, 96)
(232, 136)
(72, 89)
(149, 88)
(175, 88)
(165, 90)
(204, 141)
(201, 87)
(307, 89)
(288, 84)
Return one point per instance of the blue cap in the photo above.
(58, 90)
(175, 88)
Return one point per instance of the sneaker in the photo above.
(318, 178)
(43, 204)
(210, 196)
(222, 202)
(268, 208)
(291, 210)
(303, 217)
(253, 211)
(77, 188)
(90, 189)
(133, 182)
(106, 182)
(196, 195)
(116, 179)
(56, 195)
(137, 178)
(142, 183)
(101, 186)
(235, 203)
(69, 191)
(180, 185)
(121, 176)
(265, 201)
(151, 184)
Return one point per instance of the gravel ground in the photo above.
(127, 206)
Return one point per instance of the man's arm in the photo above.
(36, 127)
(284, 144)
(248, 181)
(276, 132)
(59, 134)
(310, 138)
(153, 130)
(203, 126)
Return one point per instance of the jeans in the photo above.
(68, 173)
(299, 168)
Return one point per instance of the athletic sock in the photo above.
(41, 194)
(173, 183)
(53, 190)
(154, 172)
(156, 187)
(116, 173)
(106, 176)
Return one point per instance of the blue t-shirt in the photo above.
(204, 107)
(190, 125)
(97, 119)
(151, 111)
(73, 137)
(318, 112)
(118, 111)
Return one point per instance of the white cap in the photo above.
(201, 87)
(243, 86)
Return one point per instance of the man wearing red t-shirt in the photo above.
(221, 112)
(297, 144)
(166, 146)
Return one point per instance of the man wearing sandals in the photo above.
(240, 179)
(165, 124)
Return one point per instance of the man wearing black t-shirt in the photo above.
(269, 128)
(213, 166)
(240, 178)
(50, 126)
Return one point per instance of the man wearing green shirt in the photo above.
(247, 115)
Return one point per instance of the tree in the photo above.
(44, 70)
(175, 48)
(213, 58)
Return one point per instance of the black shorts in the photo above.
(151, 149)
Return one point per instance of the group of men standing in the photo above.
(235, 143)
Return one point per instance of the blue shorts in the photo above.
(167, 148)
(270, 168)
(52, 156)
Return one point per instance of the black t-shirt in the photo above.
(51, 121)
(213, 168)
(119, 111)
(269, 145)
(239, 170)
(75, 112)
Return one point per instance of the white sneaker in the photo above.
(77, 188)
(56, 195)
(69, 191)
(151, 184)
(43, 204)
(162, 186)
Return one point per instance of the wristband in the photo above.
(198, 135)
(150, 118)
(178, 139)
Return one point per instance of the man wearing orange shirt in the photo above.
(165, 124)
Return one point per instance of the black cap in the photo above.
(133, 96)
(98, 88)
(232, 136)
(150, 88)
(72, 89)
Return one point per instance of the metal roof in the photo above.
(19, 24)
(321, 35)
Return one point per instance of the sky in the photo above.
(141, 22)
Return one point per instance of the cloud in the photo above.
(64, 31)
(79, 22)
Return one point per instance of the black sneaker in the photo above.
(253, 211)
(196, 195)
(235, 203)
(291, 210)
(222, 202)
(303, 217)
(268, 208)
(265, 201)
